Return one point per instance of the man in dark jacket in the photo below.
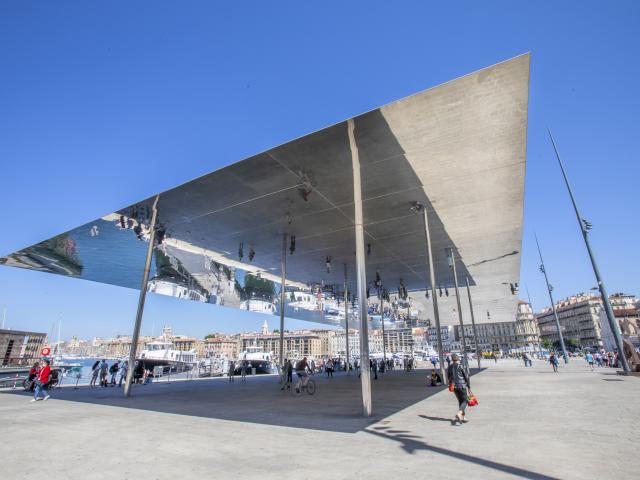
(459, 380)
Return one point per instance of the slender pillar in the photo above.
(553, 305)
(473, 322)
(584, 228)
(384, 343)
(361, 274)
(346, 315)
(283, 272)
(452, 259)
(141, 298)
(434, 296)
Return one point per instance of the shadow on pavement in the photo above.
(336, 406)
(436, 419)
(412, 443)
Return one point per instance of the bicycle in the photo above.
(309, 386)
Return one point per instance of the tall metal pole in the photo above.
(432, 279)
(584, 228)
(538, 352)
(384, 343)
(473, 322)
(365, 376)
(142, 298)
(346, 316)
(553, 305)
(283, 272)
(455, 283)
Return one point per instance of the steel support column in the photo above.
(465, 360)
(283, 272)
(346, 315)
(361, 273)
(432, 279)
(141, 299)
(384, 343)
(473, 322)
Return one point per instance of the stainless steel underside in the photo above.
(458, 149)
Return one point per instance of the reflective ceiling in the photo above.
(458, 149)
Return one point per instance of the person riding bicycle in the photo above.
(301, 372)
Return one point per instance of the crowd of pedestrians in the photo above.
(108, 375)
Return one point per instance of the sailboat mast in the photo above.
(59, 328)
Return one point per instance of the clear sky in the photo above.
(105, 103)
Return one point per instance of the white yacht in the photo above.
(173, 288)
(161, 353)
(256, 357)
(259, 306)
(299, 299)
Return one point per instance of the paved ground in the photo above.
(531, 423)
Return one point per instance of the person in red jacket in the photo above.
(41, 381)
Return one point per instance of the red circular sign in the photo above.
(45, 351)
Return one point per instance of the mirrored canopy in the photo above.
(458, 149)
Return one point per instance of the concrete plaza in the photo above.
(531, 423)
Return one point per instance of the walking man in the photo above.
(104, 369)
(459, 384)
(553, 360)
(232, 370)
(589, 358)
(123, 372)
(113, 370)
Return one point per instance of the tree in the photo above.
(547, 344)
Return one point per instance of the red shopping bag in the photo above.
(473, 400)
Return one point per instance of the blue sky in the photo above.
(103, 104)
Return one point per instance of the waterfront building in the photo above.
(398, 340)
(626, 309)
(298, 344)
(18, 347)
(581, 318)
(446, 332)
(221, 346)
(186, 344)
(584, 322)
(117, 347)
(518, 336)
(338, 343)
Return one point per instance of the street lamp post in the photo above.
(452, 263)
(473, 322)
(553, 305)
(283, 281)
(584, 228)
(384, 344)
(419, 208)
(346, 316)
